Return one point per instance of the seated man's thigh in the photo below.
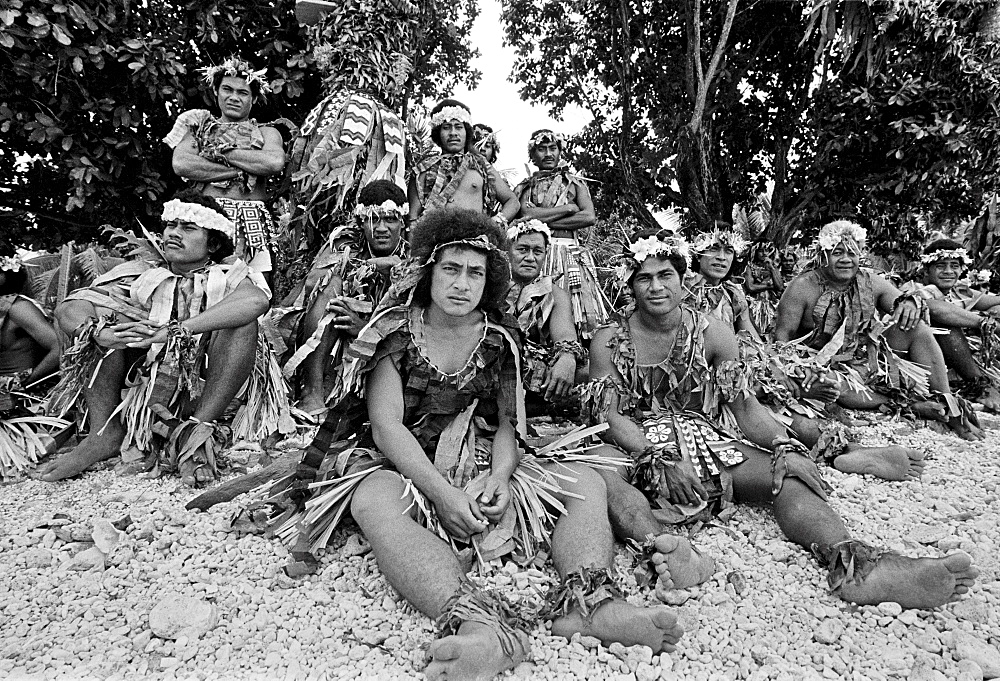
(383, 495)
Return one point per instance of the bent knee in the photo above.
(381, 495)
(584, 481)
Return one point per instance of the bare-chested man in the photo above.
(661, 379)
(230, 157)
(459, 176)
(956, 306)
(560, 198)
(839, 294)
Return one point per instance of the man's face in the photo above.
(488, 149)
(546, 155)
(944, 273)
(716, 262)
(842, 263)
(458, 280)
(788, 263)
(382, 233)
(527, 254)
(235, 98)
(656, 287)
(185, 243)
(453, 134)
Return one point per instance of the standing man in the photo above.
(458, 176)
(561, 200)
(231, 157)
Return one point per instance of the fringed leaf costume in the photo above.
(453, 416)
(439, 176)
(25, 434)
(163, 387)
(570, 264)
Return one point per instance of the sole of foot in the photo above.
(888, 463)
(620, 622)
(92, 450)
(474, 653)
(914, 582)
(678, 564)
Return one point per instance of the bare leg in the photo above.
(583, 539)
(889, 463)
(232, 354)
(958, 356)
(806, 520)
(677, 563)
(427, 573)
(105, 437)
(314, 366)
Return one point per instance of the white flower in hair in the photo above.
(11, 264)
(841, 230)
(528, 226)
(723, 237)
(652, 246)
(200, 215)
(451, 113)
(389, 208)
(982, 277)
(957, 253)
(234, 66)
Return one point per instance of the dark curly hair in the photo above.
(220, 246)
(377, 192)
(436, 130)
(943, 245)
(454, 224)
(13, 282)
(678, 261)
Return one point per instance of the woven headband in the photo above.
(957, 253)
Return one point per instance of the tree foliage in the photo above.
(883, 110)
(88, 88)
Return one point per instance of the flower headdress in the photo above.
(483, 137)
(943, 254)
(723, 237)
(388, 209)
(851, 233)
(203, 216)
(656, 246)
(546, 137)
(451, 113)
(11, 263)
(234, 66)
(527, 227)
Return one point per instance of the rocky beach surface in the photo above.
(108, 577)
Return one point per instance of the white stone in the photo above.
(829, 631)
(890, 609)
(969, 671)
(177, 615)
(968, 647)
(105, 535)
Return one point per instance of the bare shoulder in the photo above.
(720, 342)
(599, 343)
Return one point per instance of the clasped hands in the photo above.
(464, 514)
(138, 335)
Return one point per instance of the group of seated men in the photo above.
(416, 356)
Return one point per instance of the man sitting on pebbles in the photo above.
(898, 358)
(661, 379)
(347, 280)
(962, 310)
(544, 312)
(160, 348)
(439, 464)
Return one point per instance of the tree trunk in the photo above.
(989, 22)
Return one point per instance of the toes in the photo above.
(667, 543)
(666, 620)
(959, 562)
(916, 454)
(445, 649)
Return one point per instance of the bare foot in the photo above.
(312, 403)
(617, 621)
(473, 653)
(94, 448)
(914, 582)
(965, 429)
(678, 564)
(888, 463)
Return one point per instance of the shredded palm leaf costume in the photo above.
(167, 383)
(25, 434)
(439, 176)
(345, 255)
(725, 301)
(256, 229)
(532, 306)
(864, 348)
(453, 417)
(568, 262)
